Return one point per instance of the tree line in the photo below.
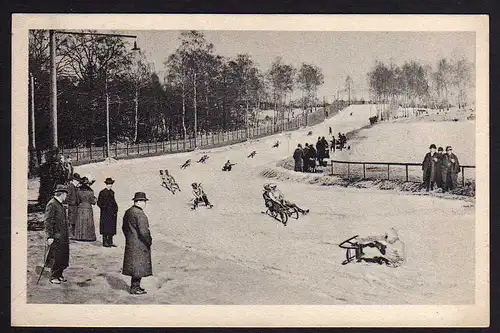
(200, 92)
(417, 85)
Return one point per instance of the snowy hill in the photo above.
(234, 254)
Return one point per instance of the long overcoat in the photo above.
(297, 157)
(429, 167)
(56, 227)
(109, 210)
(85, 226)
(72, 200)
(138, 240)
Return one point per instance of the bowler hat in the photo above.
(109, 180)
(440, 149)
(448, 148)
(140, 196)
(432, 146)
(77, 176)
(61, 188)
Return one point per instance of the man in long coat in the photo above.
(451, 167)
(56, 228)
(305, 158)
(109, 211)
(73, 200)
(297, 157)
(137, 259)
(429, 168)
(438, 175)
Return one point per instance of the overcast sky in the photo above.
(338, 54)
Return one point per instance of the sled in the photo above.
(352, 248)
(281, 213)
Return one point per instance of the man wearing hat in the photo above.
(56, 228)
(429, 167)
(137, 258)
(109, 210)
(73, 200)
(451, 167)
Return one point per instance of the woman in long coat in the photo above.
(85, 227)
(137, 258)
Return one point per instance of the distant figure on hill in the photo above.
(252, 154)
(276, 144)
(330, 130)
(332, 144)
(228, 166)
(186, 164)
(297, 157)
(203, 159)
(451, 167)
(310, 133)
(429, 168)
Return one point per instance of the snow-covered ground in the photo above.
(234, 254)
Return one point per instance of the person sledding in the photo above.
(252, 154)
(199, 196)
(186, 164)
(228, 166)
(276, 144)
(203, 159)
(277, 196)
(169, 182)
(388, 249)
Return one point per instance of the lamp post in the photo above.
(53, 79)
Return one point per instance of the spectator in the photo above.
(438, 176)
(297, 157)
(332, 144)
(73, 200)
(312, 158)
(305, 158)
(109, 211)
(429, 168)
(326, 153)
(137, 258)
(56, 228)
(85, 227)
(330, 130)
(451, 167)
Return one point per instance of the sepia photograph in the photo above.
(314, 166)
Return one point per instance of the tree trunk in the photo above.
(195, 110)
(136, 119)
(184, 110)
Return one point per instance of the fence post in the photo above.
(388, 171)
(103, 151)
(332, 169)
(116, 149)
(127, 149)
(364, 173)
(77, 153)
(212, 135)
(163, 145)
(463, 176)
(348, 164)
(138, 149)
(91, 152)
(406, 172)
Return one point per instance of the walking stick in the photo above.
(44, 261)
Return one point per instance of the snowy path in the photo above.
(234, 254)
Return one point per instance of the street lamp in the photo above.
(53, 79)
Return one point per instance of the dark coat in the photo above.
(56, 227)
(450, 166)
(85, 226)
(109, 210)
(297, 157)
(429, 167)
(72, 200)
(137, 258)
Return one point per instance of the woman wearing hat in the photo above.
(85, 227)
(429, 167)
(109, 210)
(137, 258)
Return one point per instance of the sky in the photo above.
(337, 53)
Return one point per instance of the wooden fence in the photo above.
(382, 169)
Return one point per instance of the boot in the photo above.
(110, 241)
(105, 241)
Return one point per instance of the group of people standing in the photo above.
(440, 168)
(56, 169)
